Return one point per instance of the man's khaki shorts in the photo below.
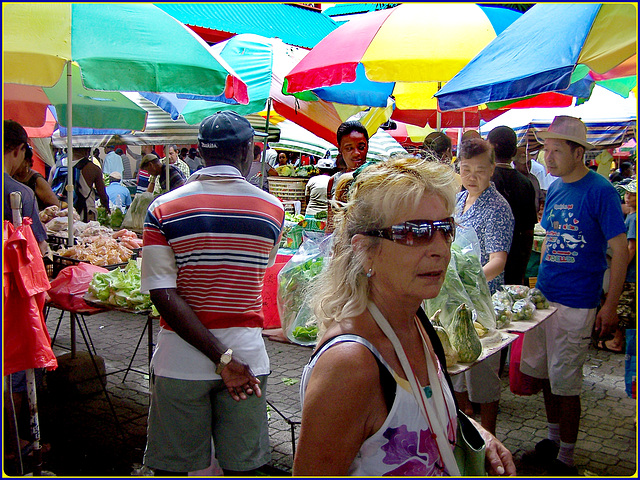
(185, 414)
(557, 349)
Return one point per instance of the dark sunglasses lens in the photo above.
(411, 233)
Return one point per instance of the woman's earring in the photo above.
(370, 273)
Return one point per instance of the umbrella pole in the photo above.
(166, 156)
(265, 145)
(70, 186)
(34, 423)
(438, 114)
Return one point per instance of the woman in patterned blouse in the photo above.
(482, 207)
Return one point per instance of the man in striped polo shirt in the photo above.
(206, 247)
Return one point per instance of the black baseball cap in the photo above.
(225, 128)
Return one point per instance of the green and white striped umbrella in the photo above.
(294, 138)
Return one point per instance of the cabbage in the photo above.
(121, 287)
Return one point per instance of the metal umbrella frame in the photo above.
(134, 47)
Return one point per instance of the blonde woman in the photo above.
(391, 250)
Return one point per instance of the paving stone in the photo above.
(82, 430)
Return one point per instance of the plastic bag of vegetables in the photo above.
(134, 218)
(523, 309)
(502, 298)
(464, 282)
(475, 283)
(294, 281)
(451, 296)
(538, 299)
(503, 313)
(517, 292)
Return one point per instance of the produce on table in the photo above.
(116, 218)
(504, 315)
(538, 299)
(475, 283)
(100, 251)
(305, 171)
(284, 170)
(292, 284)
(480, 329)
(517, 292)
(523, 309)
(296, 218)
(321, 215)
(121, 287)
(435, 319)
(463, 335)
(450, 353)
(502, 298)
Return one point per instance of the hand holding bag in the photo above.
(470, 448)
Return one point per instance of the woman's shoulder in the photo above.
(353, 352)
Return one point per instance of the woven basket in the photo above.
(289, 188)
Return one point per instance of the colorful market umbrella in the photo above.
(28, 105)
(407, 52)
(549, 49)
(609, 118)
(118, 47)
(261, 63)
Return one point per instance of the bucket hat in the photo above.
(148, 158)
(326, 163)
(565, 127)
(631, 187)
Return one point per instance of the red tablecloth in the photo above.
(270, 293)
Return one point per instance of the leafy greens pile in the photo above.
(121, 287)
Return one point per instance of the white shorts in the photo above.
(557, 349)
(481, 381)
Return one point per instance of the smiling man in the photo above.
(353, 147)
(582, 217)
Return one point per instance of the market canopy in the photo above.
(551, 48)
(609, 118)
(295, 138)
(160, 129)
(294, 24)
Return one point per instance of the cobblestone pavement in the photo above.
(86, 440)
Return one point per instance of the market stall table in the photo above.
(523, 326)
(76, 317)
(148, 328)
(502, 338)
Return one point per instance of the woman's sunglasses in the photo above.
(417, 232)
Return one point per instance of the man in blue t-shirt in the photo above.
(582, 217)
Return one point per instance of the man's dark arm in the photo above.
(237, 376)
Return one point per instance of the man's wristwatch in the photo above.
(225, 359)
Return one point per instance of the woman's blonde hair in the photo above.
(372, 200)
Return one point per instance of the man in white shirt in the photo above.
(112, 162)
